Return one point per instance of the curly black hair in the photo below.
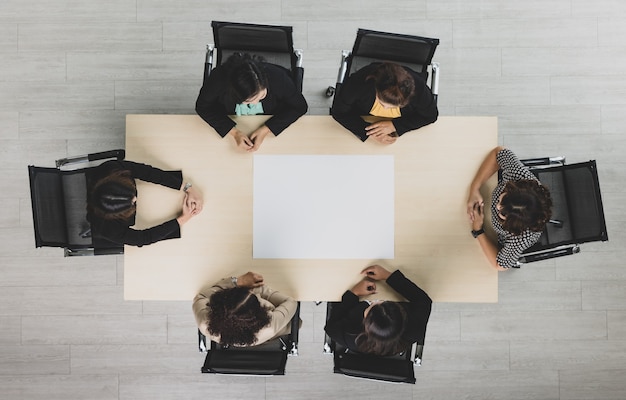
(235, 315)
(526, 204)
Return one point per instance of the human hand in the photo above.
(258, 136)
(187, 211)
(241, 140)
(477, 217)
(193, 199)
(376, 272)
(250, 280)
(385, 139)
(473, 199)
(381, 129)
(364, 287)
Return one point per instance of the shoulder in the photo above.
(275, 71)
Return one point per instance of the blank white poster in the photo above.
(314, 207)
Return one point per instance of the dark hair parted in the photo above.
(384, 326)
(246, 76)
(111, 197)
(526, 204)
(235, 315)
(394, 85)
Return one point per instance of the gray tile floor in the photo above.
(553, 72)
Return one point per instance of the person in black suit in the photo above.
(395, 93)
(246, 85)
(111, 204)
(380, 327)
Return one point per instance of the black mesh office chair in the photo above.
(398, 368)
(577, 211)
(59, 201)
(273, 43)
(370, 46)
(269, 358)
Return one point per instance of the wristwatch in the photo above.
(478, 232)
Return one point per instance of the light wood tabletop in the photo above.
(433, 244)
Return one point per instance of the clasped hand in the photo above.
(382, 132)
(252, 143)
(475, 209)
(250, 280)
(367, 285)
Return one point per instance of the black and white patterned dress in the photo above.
(510, 246)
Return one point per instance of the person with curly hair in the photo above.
(396, 94)
(520, 208)
(242, 311)
(247, 85)
(380, 327)
(112, 201)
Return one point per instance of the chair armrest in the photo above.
(295, 331)
(343, 67)
(543, 161)
(434, 80)
(416, 354)
(202, 347)
(118, 154)
(208, 62)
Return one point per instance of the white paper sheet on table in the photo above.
(314, 207)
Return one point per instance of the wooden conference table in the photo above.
(433, 245)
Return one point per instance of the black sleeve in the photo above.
(107, 232)
(418, 308)
(288, 103)
(421, 111)
(339, 324)
(148, 173)
(210, 104)
(348, 107)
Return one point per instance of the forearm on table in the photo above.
(488, 167)
(490, 250)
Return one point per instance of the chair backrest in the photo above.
(59, 200)
(269, 358)
(274, 43)
(415, 52)
(391, 368)
(577, 205)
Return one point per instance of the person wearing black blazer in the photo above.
(395, 93)
(380, 327)
(111, 204)
(245, 85)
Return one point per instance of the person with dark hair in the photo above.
(112, 198)
(387, 90)
(520, 208)
(246, 85)
(242, 311)
(380, 327)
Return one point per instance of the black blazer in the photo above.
(357, 95)
(346, 320)
(284, 101)
(112, 233)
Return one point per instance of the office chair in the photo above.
(397, 368)
(269, 358)
(577, 211)
(273, 43)
(59, 202)
(414, 52)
